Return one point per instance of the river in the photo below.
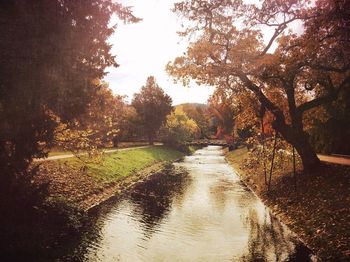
(199, 212)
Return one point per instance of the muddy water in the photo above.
(202, 213)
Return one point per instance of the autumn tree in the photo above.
(238, 113)
(228, 50)
(52, 52)
(330, 132)
(129, 127)
(96, 127)
(179, 128)
(199, 113)
(152, 105)
(222, 107)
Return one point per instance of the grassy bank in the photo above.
(85, 182)
(113, 166)
(315, 207)
(34, 230)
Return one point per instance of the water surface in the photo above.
(201, 213)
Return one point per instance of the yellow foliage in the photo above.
(97, 126)
(179, 127)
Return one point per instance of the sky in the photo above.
(144, 49)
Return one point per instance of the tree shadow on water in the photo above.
(269, 240)
(153, 198)
(150, 202)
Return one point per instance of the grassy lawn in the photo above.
(116, 165)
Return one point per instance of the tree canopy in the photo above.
(96, 127)
(179, 128)
(197, 112)
(228, 50)
(152, 106)
(52, 53)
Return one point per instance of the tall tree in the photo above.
(52, 52)
(129, 126)
(96, 127)
(229, 49)
(152, 105)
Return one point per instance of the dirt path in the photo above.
(335, 159)
(72, 155)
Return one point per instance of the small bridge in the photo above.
(208, 142)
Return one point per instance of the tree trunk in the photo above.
(115, 141)
(299, 139)
(307, 154)
(150, 140)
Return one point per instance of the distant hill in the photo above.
(189, 106)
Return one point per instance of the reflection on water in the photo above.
(202, 214)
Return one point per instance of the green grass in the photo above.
(116, 165)
(59, 152)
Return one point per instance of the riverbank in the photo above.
(69, 188)
(315, 207)
(84, 182)
(199, 211)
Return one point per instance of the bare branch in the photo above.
(280, 28)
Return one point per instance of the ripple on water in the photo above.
(206, 215)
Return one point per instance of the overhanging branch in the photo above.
(331, 96)
(262, 98)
